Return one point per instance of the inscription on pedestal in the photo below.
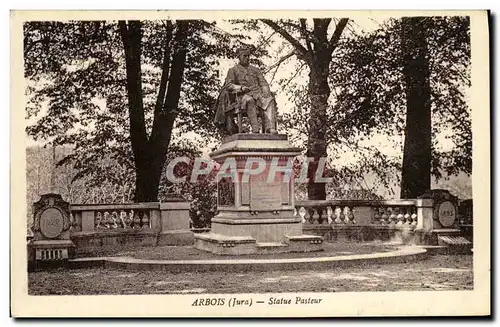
(51, 223)
(446, 213)
(263, 195)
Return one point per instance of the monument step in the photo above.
(455, 244)
(270, 244)
(271, 247)
(219, 238)
(447, 231)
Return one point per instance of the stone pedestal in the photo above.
(256, 198)
(51, 245)
(438, 223)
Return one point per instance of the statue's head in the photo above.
(243, 54)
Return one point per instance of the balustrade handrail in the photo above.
(368, 203)
(121, 206)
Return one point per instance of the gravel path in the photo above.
(436, 273)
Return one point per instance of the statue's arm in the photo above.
(264, 86)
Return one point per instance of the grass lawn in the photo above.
(439, 272)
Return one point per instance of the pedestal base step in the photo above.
(304, 243)
(455, 244)
(452, 239)
(271, 247)
(237, 245)
(46, 254)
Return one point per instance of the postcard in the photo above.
(250, 163)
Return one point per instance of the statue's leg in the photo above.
(269, 116)
(231, 127)
(251, 108)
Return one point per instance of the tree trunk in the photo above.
(416, 174)
(318, 60)
(319, 91)
(147, 180)
(150, 166)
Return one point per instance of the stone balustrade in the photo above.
(103, 227)
(364, 220)
(115, 217)
(391, 213)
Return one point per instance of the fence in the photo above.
(361, 220)
(98, 228)
(105, 227)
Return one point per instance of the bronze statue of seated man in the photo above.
(246, 91)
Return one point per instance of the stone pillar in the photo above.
(51, 245)
(437, 216)
(445, 213)
(155, 216)
(174, 223)
(424, 215)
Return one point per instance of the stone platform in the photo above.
(401, 255)
(237, 245)
(256, 199)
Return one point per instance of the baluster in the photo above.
(104, 223)
(136, 220)
(109, 219)
(346, 214)
(407, 217)
(384, 216)
(130, 219)
(302, 214)
(295, 212)
(123, 216)
(329, 213)
(307, 216)
(392, 216)
(352, 217)
(338, 212)
(399, 217)
(376, 215)
(324, 219)
(414, 219)
(114, 219)
(315, 216)
(341, 214)
(145, 220)
(98, 219)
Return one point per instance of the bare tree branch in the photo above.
(294, 75)
(305, 34)
(337, 33)
(165, 69)
(285, 57)
(301, 51)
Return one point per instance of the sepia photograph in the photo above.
(272, 164)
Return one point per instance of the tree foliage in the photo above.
(117, 90)
(368, 100)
